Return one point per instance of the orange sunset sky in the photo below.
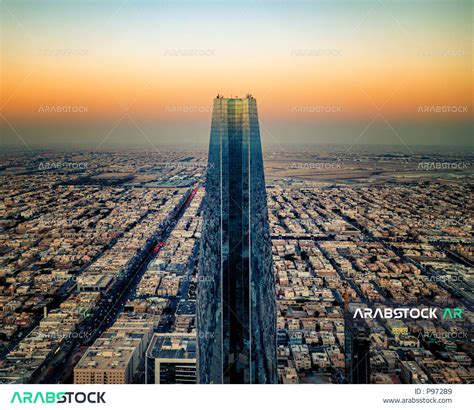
(309, 63)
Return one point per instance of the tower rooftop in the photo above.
(248, 96)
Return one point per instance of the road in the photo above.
(60, 367)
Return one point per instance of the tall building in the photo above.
(236, 314)
(171, 359)
(357, 350)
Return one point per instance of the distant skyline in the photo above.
(145, 73)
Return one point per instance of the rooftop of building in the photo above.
(108, 354)
(172, 346)
(247, 97)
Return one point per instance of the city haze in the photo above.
(101, 74)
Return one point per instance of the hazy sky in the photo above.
(146, 72)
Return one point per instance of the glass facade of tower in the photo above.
(236, 291)
(357, 350)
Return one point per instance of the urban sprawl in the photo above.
(99, 264)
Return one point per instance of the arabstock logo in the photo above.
(57, 397)
(407, 313)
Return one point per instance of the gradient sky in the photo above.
(373, 64)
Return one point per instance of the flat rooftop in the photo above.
(172, 346)
(106, 354)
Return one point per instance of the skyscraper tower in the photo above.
(357, 347)
(236, 311)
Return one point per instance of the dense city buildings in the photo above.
(99, 264)
(380, 241)
(236, 292)
(69, 265)
(162, 245)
